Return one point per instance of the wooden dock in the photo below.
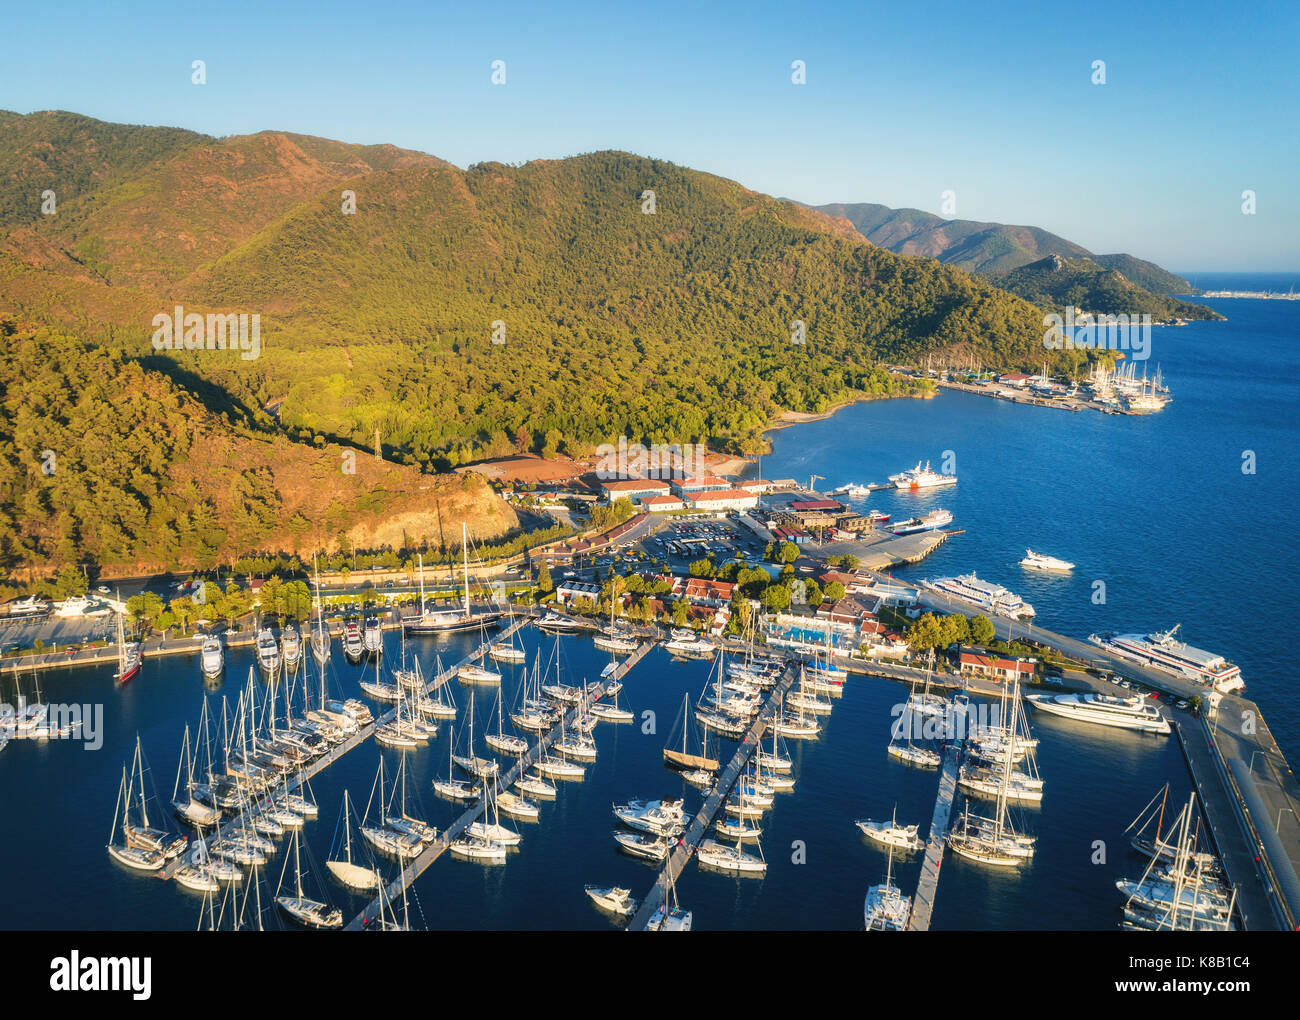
(417, 866)
(681, 854)
(928, 886)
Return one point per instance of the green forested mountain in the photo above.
(994, 249)
(674, 325)
(1054, 283)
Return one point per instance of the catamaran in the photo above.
(669, 916)
(885, 907)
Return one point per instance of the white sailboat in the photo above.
(308, 912)
(320, 639)
(344, 867)
(885, 907)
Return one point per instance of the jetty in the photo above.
(928, 885)
(292, 784)
(681, 854)
(418, 865)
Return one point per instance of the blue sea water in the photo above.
(1156, 507)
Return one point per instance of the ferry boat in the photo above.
(1037, 561)
(932, 521)
(990, 597)
(921, 478)
(1164, 652)
(1122, 713)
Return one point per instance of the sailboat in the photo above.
(204, 873)
(320, 638)
(493, 830)
(470, 762)
(610, 711)
(128, 654)
(686, 759)
(510, 652)
(778, 759)
(482, 843)
(610, 639)
(188, 809)
(908, 752)
(307, 912)
(503, 742)
(669, 916)
(141, 858)
(994, 841)
(452, 788)
(145, 847)
(400, 844)
(446, 621)
(401, 820)
(726, 857)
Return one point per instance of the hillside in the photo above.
(1055, 282)
(671, 327)
(989, 248)
(105, 462)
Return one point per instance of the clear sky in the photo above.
(903, 100)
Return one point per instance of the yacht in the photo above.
(447, 621)
(372, 636)
(1037, 561)
(290, 646)
(612, 641)
(687, 642)
(932, 521)
(30, 606)
(992, 598)
(660, 817)
(854, 490)
(639, 844)
(212, 659)
(353, 646)
(921, 478)
(615, 900)
(268, 652)
(1164, 652)
(1135, 713)
(891, 834)
(558, 623)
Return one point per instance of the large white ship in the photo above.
(1163, 651)
(932, 521)
(990, 597)
(1124, 713)
(921, 478)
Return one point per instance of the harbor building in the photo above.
(634, 488)
(721, 500)
(992, 667)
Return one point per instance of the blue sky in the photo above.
(903, 100)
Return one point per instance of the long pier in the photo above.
(928, 885)
(681, 854)
(1235, 737)
(417, 866)
(290, 784)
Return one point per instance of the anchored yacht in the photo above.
(1134, 713)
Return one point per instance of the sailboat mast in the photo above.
(464, 552)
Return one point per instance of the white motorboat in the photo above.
(659, 817)
(1037, 561)
(612, 898)
(212, 660)
(640, 844)
(891, 834)
(268, 651)
(1135, 713)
